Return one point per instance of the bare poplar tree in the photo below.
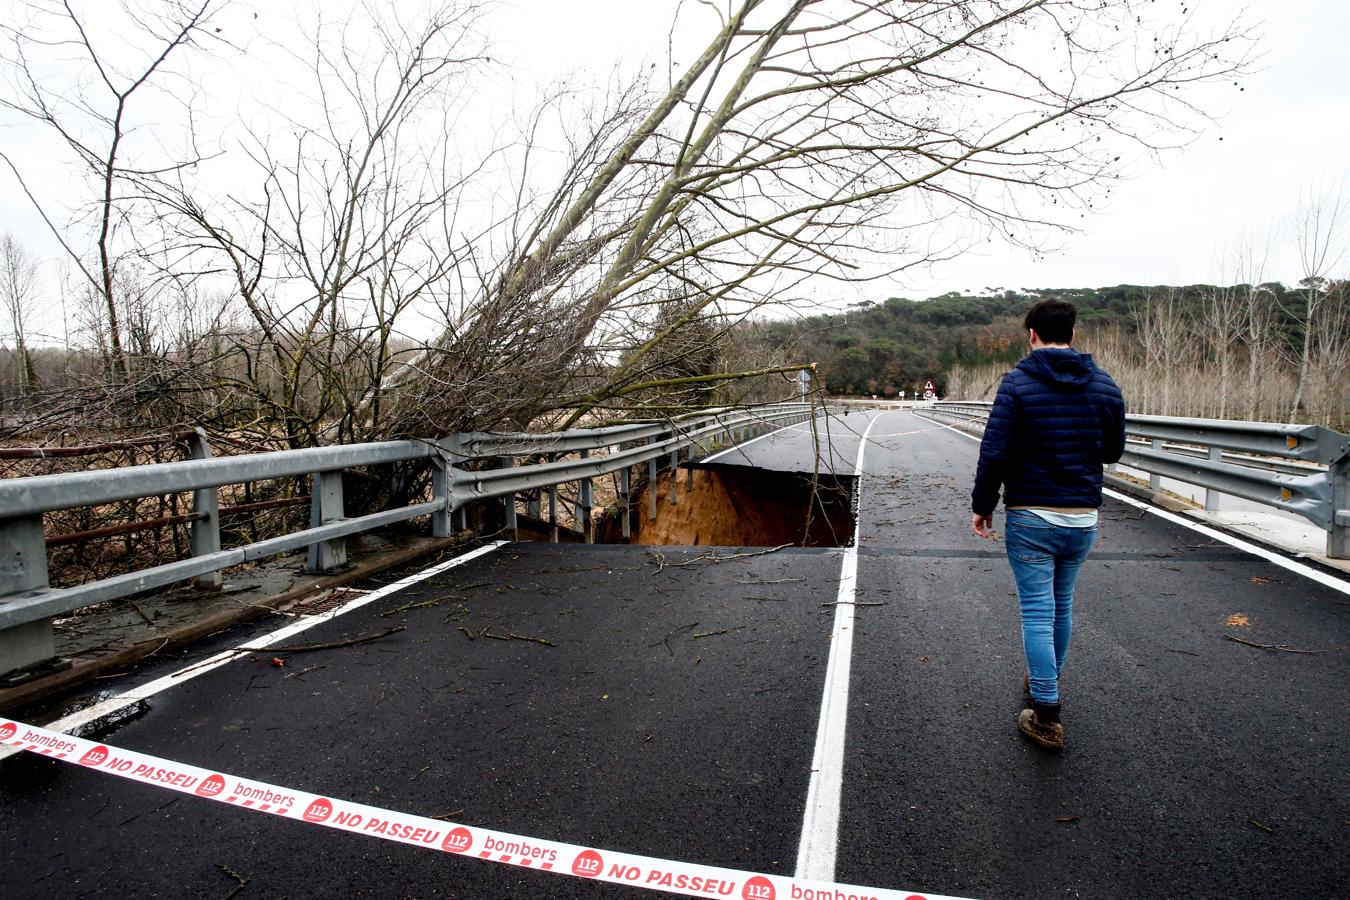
(1317, 233)
(94, 121)
(1166, 337)
(1329, 364)
(19, 296)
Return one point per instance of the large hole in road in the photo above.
(739, 506)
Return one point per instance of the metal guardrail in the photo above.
(1316, 485)
(28, 604)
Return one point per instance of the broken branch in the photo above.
(328, 645)
(1280, 647)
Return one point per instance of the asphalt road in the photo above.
(675, 714)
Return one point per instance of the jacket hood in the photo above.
(1061, 366)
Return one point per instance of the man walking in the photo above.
(1057, 419)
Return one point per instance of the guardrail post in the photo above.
(625, 490)
(675, 477)
(440, 491)
(26, 650)
(1338, 538)
(584, 501)
(651, 490)
(326, 506)
(204, 533)
(553, 506)
(509, 502)
(1211, 495)
(1155, 481)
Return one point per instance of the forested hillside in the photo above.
(883, 348)
(1241, 351)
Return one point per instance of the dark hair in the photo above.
(1052, 320)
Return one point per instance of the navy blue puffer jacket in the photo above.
(1057, 419)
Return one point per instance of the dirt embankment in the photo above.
(731, 508)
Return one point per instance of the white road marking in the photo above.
(820, 825)
(115, 704)
(1323, 578)
(1284, 562)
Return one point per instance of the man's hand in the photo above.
(981, 525)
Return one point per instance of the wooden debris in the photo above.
(704, 634)
(1280, 647)
(329, 645)
(243, 882)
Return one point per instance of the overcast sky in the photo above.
(1286, 131)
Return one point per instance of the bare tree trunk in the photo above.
(1317, 236)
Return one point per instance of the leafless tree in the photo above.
(18, 296)
(636, 230)
(1317, 231)
(95, 120)
(842, 138)
(1167, 340)
(1329, 362)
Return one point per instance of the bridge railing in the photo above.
(28, 604)
(1302, 469)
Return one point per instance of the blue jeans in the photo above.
(1045, 560)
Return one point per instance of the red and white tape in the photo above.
(496, 846)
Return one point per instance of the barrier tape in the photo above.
(670, 877)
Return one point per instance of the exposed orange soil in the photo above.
(741, 511)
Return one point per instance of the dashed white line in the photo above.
(129, 698)
(820, 824)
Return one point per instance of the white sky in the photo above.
(1286, 132)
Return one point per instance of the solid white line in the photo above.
(149, 689)
(1323, 578)
(1284, 562)
(820, 823)
(721, 453)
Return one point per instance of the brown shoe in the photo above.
(1041, 724)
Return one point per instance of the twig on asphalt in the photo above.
(450, 815)
(703, 634)
(714, 558)
(770, 581)
(533, 640)
(666, 640)
(855, 603)
(421, 604)
(329, 645)
(659, 558)
(243, 882)
(1281, 647)
(302, 672)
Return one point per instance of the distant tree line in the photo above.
(1263, 352)
(898, 345)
